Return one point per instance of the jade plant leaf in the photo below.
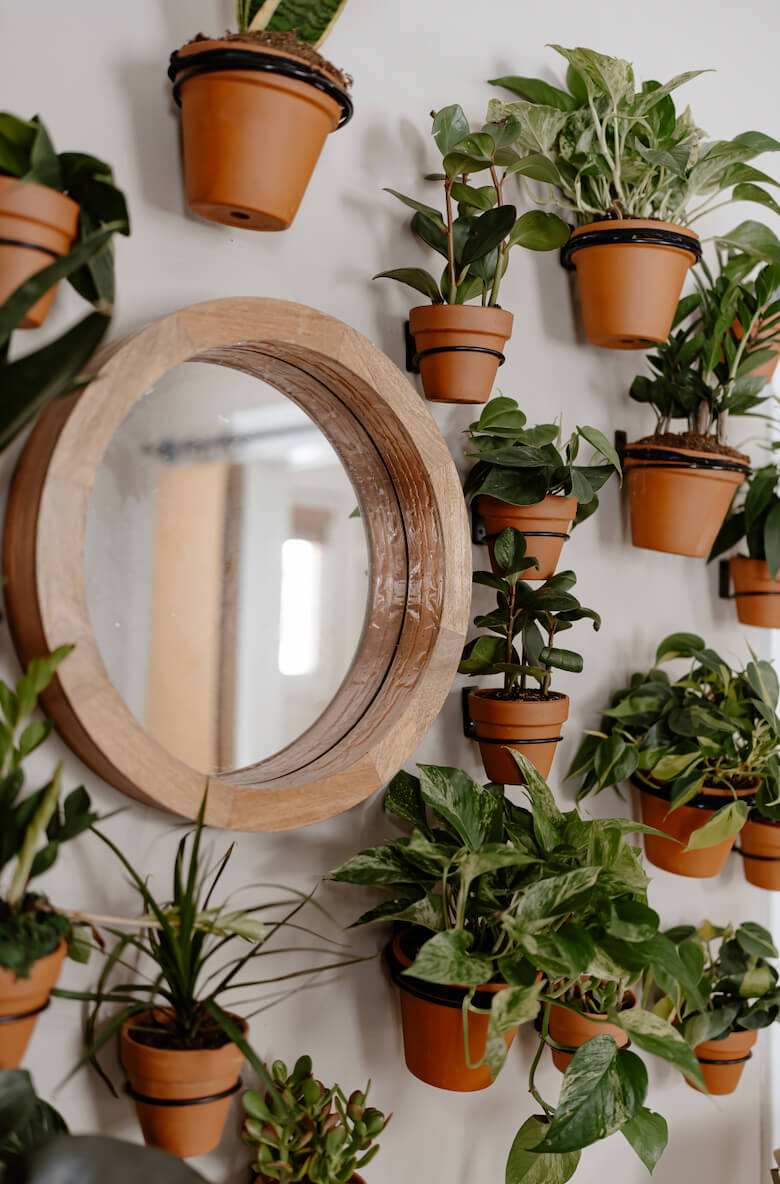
(528, 1166)
(603, 1088)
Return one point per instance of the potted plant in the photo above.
(521, 478)
(631, 169)
(257, 106)
(759, 840)
(520, 646)
(699, 749)
(34, 935)
(756, 519)
(48, 200)
(459, 344)
(680, 484)
(307, 1132)
(180, 1050)
(739, 987)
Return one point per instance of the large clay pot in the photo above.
(680, 824)
(459, 347)
(574, 1028)
(432, 1023)
(679, 497)
(25, 998)
(756, 593)
(759, 842)
(545, 526)
(251, 136)
(182, 1097)
(532, 727)
(630, 273)
(722, 1061)
(37, 226)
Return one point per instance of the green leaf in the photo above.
(539, 231)
(414, 277)
(376, 865)
(753, 238)
(755, 940)
(724, 824)
(514, 1006)
(450, 126)
(420, 206)
(404, 800)
(528, 1166)
(486, 232)
(445, 958)
(560, 659)
(509, 550)
(747, 192)
(603, 1088)
(772, 540)
(679, 645)
(547, 899)
(653, 1034)
(472, 812)
(92, 1159)
(648, 1134)
(600, 442)
(482, 198)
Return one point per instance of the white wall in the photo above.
(96, 71)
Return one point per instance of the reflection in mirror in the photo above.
(227, 581)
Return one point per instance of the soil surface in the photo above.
(692, 442)
(289, 43)
(516, 696)
(158, 1035)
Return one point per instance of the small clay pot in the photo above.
(25, 998)
(574, 1028)
(37, 226)
(251, 137)
(432, 1023)
(545, 526)
(759, 842)
(162, 1081)
(629, 288)
(532, 727)
(680, 824)
(756, 593)
(768, 369)
(722, 1061)
(677, 505)
(471, 339)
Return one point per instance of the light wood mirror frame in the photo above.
(413, 513)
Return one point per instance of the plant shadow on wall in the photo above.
(506, 914)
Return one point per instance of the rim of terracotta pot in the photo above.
(554, 709)
(49, 206)
(754, 571)
(30, 988)
(660, 456)
(398, 959)
(552, 505)
(218, 55)
(630, 232)
(597, 1016)
(169, 1054)
(461, 317)
(712, 799)
(741, 1040)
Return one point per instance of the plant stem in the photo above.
(450, 240)
(509, 638)
(533, 1091)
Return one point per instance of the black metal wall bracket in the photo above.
(469, 729)
(412, 365)
(724, 580)
(621, 439)
(479, 533)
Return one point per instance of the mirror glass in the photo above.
(226, 574)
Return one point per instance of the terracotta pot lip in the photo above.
(564, 505)
(127, 1036)
(209, 43)
(448, 994)
(743, 561)
(736, 1039)
(698, 454)
(69, 208)
(601, 1015)
(628, 223)
(491, 695)
(462, 315)
(662, 790)
(758, 820)
(55, 955)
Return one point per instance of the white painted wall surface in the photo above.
(95, 69)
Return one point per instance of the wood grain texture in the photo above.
(420, 573)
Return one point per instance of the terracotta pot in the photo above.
(759, 841)
(462, 373)
(37, 226)
(251, 137)
(356, 1179)
(161, 1081)
(768, 369)
(25, 997)
(528, 726)
(720, 1077)
(629, 290)
(680, 824)
(757, 595)
(678, 510)
(545, 526)
(574, 1029)
(432, 1023)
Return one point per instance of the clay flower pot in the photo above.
(722, 1061)
(574, 1028)
(530, 726)
(21, 1002)
(37, 226)
(181, 1097)
(459, 349)
(545, 526)
(432, 1023)
(768, 369)
(630, 273)
(679, 497)
(759, 842)
(680, 825)
(254, 121)
(757, 595)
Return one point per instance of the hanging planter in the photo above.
(722, 1061)
(630, 273)
(574, 1028)
(459, 349)
(530, 726)
(756, 593)
(760, 850)
(754, 518)
(679, 496)
(37, 226)
(680, 824)
(21, 1002)
(432, 1022)
(545, 527)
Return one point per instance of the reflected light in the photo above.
(299, 617)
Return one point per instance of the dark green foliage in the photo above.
(755, 517)
(26, 1121)
(28, 933)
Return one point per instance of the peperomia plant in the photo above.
(713, 726)
(522, 465)
(532, 616)
(310, 20)
(556, 906)
(607, 147)
(478, 228)
(32, 828)
(307, 1132)
(755, 517)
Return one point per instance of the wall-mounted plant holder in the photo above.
(532, 728)
(756, 593)
(412, 364)
(456, 349)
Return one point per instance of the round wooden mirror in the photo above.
(406, 626)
